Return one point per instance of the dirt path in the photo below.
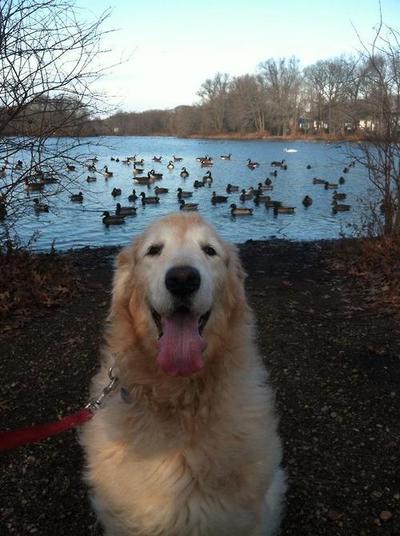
(335, 364)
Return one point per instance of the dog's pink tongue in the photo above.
(181, 345)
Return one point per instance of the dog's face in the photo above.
(185, 273)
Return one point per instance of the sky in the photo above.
(167, 48)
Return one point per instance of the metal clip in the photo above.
(97, 403)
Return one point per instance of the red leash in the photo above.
(22, 436)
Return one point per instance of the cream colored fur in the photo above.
(188, 456)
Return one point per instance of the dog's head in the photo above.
(178, 292)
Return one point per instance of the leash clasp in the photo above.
(97, 403)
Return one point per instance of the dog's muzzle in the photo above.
(182, 281)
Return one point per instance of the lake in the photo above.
(76, 225)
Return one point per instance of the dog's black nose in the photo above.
(182, 280)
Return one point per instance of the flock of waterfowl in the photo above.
(234, 195)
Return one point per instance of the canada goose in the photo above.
(244, 196)
(149, 200)
(107, 174)
(153, 175)
(342, 180)
(198, 184)
(207, 162)
(336, 207)
(116, 192)
(33, 186)
(91, 178)
(184, 173)
(307, 201)
(40, 207)
(133, 197)
(207, 178)
(277, 163)
(157, 159)
(158, 190)
(336, 196)
(230, 188)
(71, 167)
(270, 203)
(170, 165)
(136, 170)
(112, 159)
(274, 173)
(330, 186)
(345, 170)
(91, 168)
(112, 219)
(264, 187)
(218, 198)
(280, 209)
(188, 206)
(181, 194)
(226, 156)
(268, 181)
(308, 166)
(240, 211)
(177, 158)
(252, 165)
(144, 180)
(318, 181)
(124, 211)
(138, 162)
(76, 198)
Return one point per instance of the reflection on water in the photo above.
(75, 225)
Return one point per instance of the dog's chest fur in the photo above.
(182, 475)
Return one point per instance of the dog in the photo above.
(187, 445)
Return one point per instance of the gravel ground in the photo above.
(335, 363)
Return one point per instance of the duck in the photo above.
(318, 181)
(240, 211)
(116, 192)
(112, 219)
(76, 198)
(3, 171)
(146, 181)
(40, 207)
(307, 201)
(260, 198)
(124, 211)
(252, 165)
(341, 180)
(48, 179)
(226, 156)
(91, 178)
(181, 194)
(158, 190)
(170, 165)
(198, 184)
(330, 186)
(336, 196)
(336, 207)
(189, 207)
(18, 166)
(136, 170)
(280, 209)
(157, 159)
(71, 167)
(270, 203)
(345, 169)
(274, 173)
(91, 168)
(133, 197)
(244, 196)
(231, 188)
(138, 162)
(184, 173)
(218, 198)
(149, 200)
(267, 182)
(308, 166)
(177, 158)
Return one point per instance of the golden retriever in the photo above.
(188, 444)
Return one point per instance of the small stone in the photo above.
(376, 494)
(333, 515)
(385, 515)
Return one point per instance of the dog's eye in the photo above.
(209, 250)
(154, 250)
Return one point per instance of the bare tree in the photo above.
(214, 93)
(48, 68)
(380, 152)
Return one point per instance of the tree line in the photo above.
(341, 96)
